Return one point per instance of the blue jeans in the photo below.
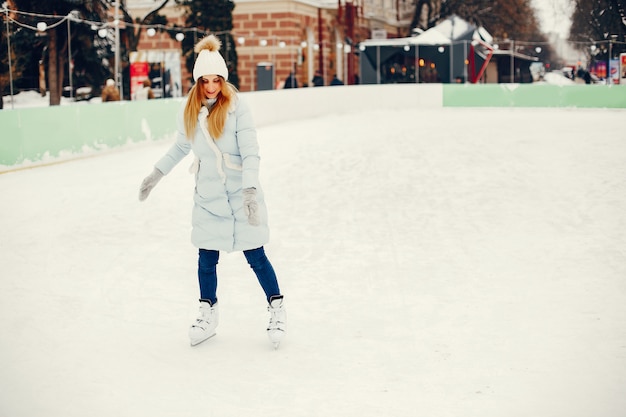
(207, 272)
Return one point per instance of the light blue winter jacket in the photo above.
(223, 168)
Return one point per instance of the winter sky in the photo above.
(554, 15)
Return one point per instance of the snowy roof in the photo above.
(453, 28)
(432, 37)
(426, 38)
(484, 35)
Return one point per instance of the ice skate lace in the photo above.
(276, 317)
(204, 321)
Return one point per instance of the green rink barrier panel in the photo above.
(534, 95)
(36, 136)
(32, 136)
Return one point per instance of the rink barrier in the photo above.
(43, 135)
(534, 95)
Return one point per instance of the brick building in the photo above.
(275, 37)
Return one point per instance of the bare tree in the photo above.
(503, 18)
(57, 34)
(153, 17)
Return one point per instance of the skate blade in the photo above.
(198, 341)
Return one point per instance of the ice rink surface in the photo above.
(435, 262)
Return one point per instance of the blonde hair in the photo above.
(218, 114)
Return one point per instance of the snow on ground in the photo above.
(25, 99)
(435, 262)
(556, 78)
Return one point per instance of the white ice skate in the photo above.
(278, 317)
(206, 323)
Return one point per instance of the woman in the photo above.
(229, 212)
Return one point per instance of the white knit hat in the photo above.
(209, 60)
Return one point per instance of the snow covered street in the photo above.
(443, 262)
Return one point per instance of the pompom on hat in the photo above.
(209, 60)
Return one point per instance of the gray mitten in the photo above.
(251, 207)
(148, 184)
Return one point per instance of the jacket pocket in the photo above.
(232, 161)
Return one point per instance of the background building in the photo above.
(277, 37)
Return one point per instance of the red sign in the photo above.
(138, 73)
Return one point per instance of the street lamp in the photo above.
(70, 16)
(609, 79)
(6, 11)
(116, 23)
(512, 61)
(346, 50)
